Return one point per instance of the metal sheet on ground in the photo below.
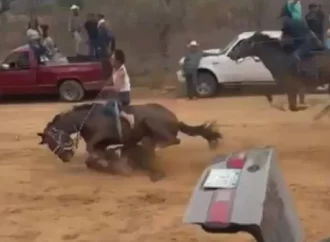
(257, 201)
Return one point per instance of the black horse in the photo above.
(280, 64)
(155, 126)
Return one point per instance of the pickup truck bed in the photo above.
(20, 74)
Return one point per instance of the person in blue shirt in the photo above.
(303, 40)
(327, 40)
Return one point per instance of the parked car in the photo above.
(21, 74)
(218, 71)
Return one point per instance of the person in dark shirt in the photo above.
(92, 33)
(315, 20)
(190, 67)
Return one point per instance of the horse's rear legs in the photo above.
(163, 136)
(150, 161)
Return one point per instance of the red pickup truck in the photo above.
(21, 74)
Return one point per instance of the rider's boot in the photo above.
(129, 117)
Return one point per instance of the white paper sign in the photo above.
(222, 178)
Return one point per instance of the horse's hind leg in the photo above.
(150, 163)
(162, 134)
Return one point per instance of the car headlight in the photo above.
(222, 178)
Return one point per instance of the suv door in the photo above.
(250, 69)
(17, 76)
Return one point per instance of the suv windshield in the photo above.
(225, 50)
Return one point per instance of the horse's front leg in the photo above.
(118, 161)
(301, 95)
(93, 162)
(97, 155)
(279, 105)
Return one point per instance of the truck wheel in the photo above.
(71, 91)
(206, 85)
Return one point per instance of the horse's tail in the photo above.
(208, 131)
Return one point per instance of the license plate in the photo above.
(222, 178)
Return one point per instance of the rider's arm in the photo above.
(119, 82)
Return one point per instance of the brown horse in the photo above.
(155, 126)
(280, 64)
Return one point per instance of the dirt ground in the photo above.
(42, 199)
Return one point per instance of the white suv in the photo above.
(220, 70)
(214, 71)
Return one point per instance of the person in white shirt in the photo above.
(75, 27)
(121, 85)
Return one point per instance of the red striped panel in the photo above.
(220, 209)
(223, 199)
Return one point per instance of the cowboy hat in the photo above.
(193, 43)
(74, 7)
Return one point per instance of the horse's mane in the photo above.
(267, 40)
(81, 107)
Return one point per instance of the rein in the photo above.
(72, 145)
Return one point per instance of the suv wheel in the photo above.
(206, 85)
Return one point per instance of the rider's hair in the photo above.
(119, 56)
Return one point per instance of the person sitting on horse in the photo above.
(302, 39)
(121, 85)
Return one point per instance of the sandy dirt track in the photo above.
(42, 199)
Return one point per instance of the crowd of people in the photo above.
(39, 40)
(100, 39)
(306, 33)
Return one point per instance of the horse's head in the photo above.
(59, 142)
(247, 47)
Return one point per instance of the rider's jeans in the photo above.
(327, 43)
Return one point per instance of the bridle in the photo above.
(57, 135)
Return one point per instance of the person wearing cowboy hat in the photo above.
(75, 27)
(190, 67)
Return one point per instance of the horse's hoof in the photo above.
(213, 144)
(157, 176)
(121, 167)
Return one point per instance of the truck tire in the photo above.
(207, 85)
(71, 91)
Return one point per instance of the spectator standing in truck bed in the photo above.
(75, 28)
(92, 34)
